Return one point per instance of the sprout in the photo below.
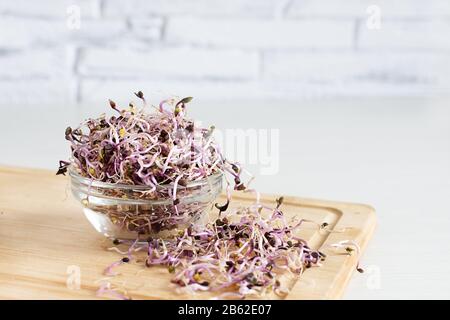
(222, 208)
(279, 202)
(350, 246)
(106, 289)
(63, 165)
(139, 94)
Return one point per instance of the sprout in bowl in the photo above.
(146, 172)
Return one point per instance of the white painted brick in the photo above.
(34, 91)
(40, 64)
(147, 28)
(49, 8)
(16, 33)
(204, 8)
(97, 91)
(211, 49)
(94, 31)
(170, 63)
(406, 35)
(121, 90)
(309, 66)
(402, 68)
(352, 8)
(300, 90)
(24, 32)
(261, 34)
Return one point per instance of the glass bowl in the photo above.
(121, 211)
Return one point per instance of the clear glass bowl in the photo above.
(122, 211)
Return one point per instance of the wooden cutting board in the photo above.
(47, 245)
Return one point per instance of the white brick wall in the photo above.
(408, 35)
(38, 64)
(178, 62)
(265, 34)
(352, 67)
(221, 49)
(198, 8)
(48, 9)
(28, 33)
(357, 8)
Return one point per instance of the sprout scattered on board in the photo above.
(241, 254)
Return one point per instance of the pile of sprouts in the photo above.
(243, 254)
(240, 254)
(163, 151)
(138, 147)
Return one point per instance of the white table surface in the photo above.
(393, 154)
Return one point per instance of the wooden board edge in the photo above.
(348, 265)
(339, 294)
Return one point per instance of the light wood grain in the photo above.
(44, 235)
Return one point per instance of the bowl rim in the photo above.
(74, 174)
